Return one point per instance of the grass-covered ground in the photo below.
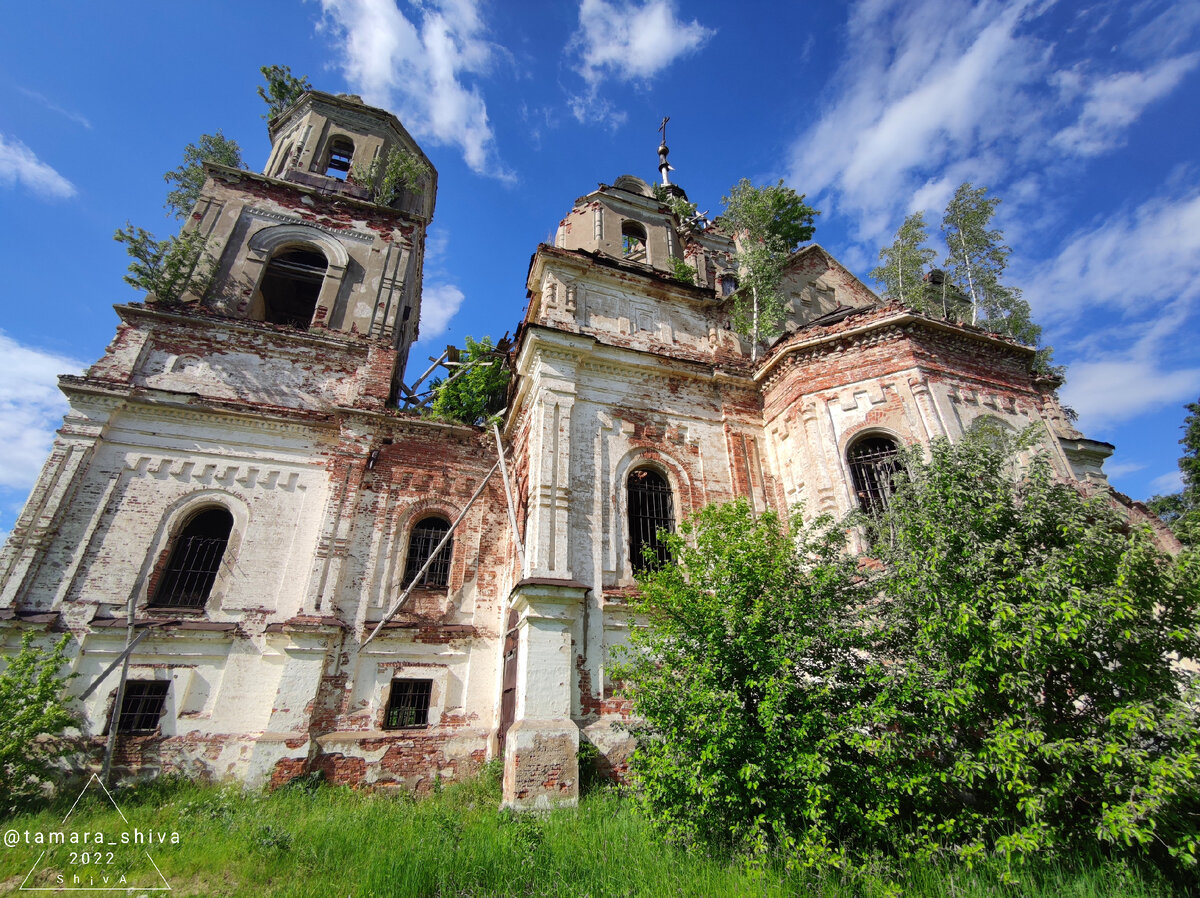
(332, 843)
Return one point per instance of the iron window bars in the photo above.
(408, 704)
(873, 463)
(195, 561)
(650, 510)
(142, 705)
(425, 537)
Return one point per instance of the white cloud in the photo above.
(1122, 468)
(421, 70)
(19, 165)
(1165, 484)
(1109, 391)
(1115, 102)
(31, 409)
(76, 117)
(439, 303)
(630, 42)
(997, 97)
(1138, 262)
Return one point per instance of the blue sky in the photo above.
(1083, 118)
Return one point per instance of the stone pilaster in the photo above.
(541, 768)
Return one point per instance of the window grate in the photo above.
(873, 463)
(408, 704)
(425, 537)
(195, 561)
(650, 510)
(141, 705)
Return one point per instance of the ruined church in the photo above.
(267, 567)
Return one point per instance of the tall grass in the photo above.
(332, 842)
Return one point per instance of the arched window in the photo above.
(291, 287)
(424, 539)
(633, 241)
(195, 560)
(341, 151)
(650, 510)
(728, 284)
(874, 461)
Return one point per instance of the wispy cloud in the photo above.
(76, 117)
(998, 98)
(1135, 262)
(31, 409)
(1139, 273)
(19, 165)
(422, 68)
(1113, 103)
(1165, 484)
(628, 41)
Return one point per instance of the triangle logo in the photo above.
(102, 859)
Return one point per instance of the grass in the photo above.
(331, 842)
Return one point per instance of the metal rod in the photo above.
(512, 513)
(429, 370)
(115, 719)
(117, 660)
(429, 561)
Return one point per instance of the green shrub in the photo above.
(1004, 685)
(32, 708)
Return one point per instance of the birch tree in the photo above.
(977, 258)
(768, 223)
(902, 266)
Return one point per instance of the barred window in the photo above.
(141, 705)
(195, 560)
(873, 463)
(425, 538)
(650, 510)
(408, 704)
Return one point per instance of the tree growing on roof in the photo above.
(477, 389)
(976, 260)
(768, 223)
(189, 177)
(282, 88)
(902, 266)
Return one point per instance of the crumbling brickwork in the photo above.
(289, 426)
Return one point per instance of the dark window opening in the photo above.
(291, 287)
(195, 561)
(650, 510)
(141, 705)
(341, 151)
(425, 538)
(873, 463)
(728, 285)
(408, 704)
(633, 241)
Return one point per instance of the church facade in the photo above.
(235, 506)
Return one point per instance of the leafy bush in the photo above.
(282, 88)
(682, 271)
(475, 391)
(167, 268)
(1005, 682)
(745, 676)
(189, 177)
(402, 170)
(32, 705)
(1029, 700)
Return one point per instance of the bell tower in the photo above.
(326, 244)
